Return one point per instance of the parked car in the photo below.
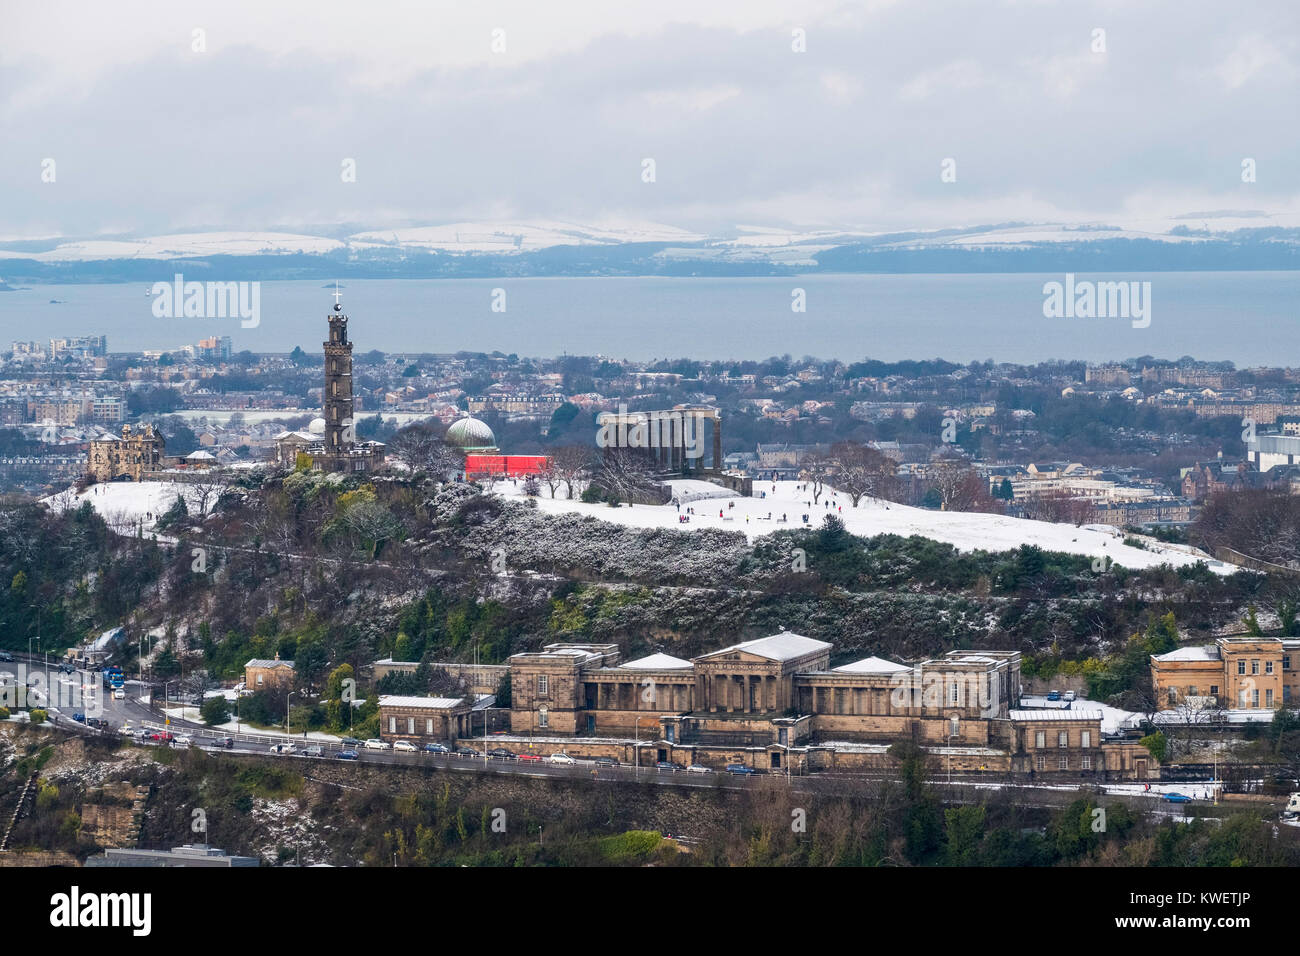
(1053, 695)
(283, 748)
(224, 743)
(436, 749)
(669, 765)
(166, 736)
(1177, 798)
(67, 669)
(119, 693)
(316, 750)
(1069, 695)
(467, 752)
(97, 722)
(184, 740)
(699, 768)
(79, 717)
(374, 743)
(405, 746)
(740, 768)
(562, 759)
(500, 753)
(529, 757)
(350, 742)
(346, 755)
(6, 657)
(605, 762)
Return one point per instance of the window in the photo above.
(954, 726)
(1241, 667)
(392, 725)
(1286, 662)
(1214, 690)
(428, 725)
(1254, 698)
(1191, 691)
(1268, 698)
(543, 717)
(543, 685)
(1173, 695)
(1042, 762)
(1286, 693)
(1085, 739)
(1254, 667)
(1063, 739)
(1063, 763)
(952, 694)
(1268, 667)
(410, 725)
(1087, 762)
(1040, 740)
(1241, 699)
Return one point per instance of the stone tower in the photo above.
(339, 433)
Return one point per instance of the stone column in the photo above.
(717, 443)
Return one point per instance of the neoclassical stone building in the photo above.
(776, 700)
(1239, 673)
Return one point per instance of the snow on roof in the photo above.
(428, 703)
(1205, 652)
(1062, 714)
(778, 647)
(263, 662)
(200, 456)
(871, 665)
(656, 662)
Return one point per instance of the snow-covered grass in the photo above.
(125, 504)
(762, 514)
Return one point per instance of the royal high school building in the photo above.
(776, 701)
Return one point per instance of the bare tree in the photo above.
(814, 470)
(959, 488)
(205, 491)
(420, 448)
(626, 475)
(1060, 507)
(859, 470)
(574, 465)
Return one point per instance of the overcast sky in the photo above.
(149, 136)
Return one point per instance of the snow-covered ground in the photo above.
(763, 514)
(125, 504)
(1113, 719)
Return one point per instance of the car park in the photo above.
(374, 743)
(165, 736)
(346, 755)
(500, 753)
(436, 749)
(316, 750)
(562, 759)
(699, 768)
(283, 748)
(740, 768)
(405, 746)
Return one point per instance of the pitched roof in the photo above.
(263, 662)
(778, 647)
(656, 662)
(1204, 652)
(871, 665)
(1061, 714)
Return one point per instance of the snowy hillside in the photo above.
(963, 530)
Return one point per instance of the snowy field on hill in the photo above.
(966, 531)
(125, 504)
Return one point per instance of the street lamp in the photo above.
(286, 712)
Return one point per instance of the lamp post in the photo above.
(287, 697)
